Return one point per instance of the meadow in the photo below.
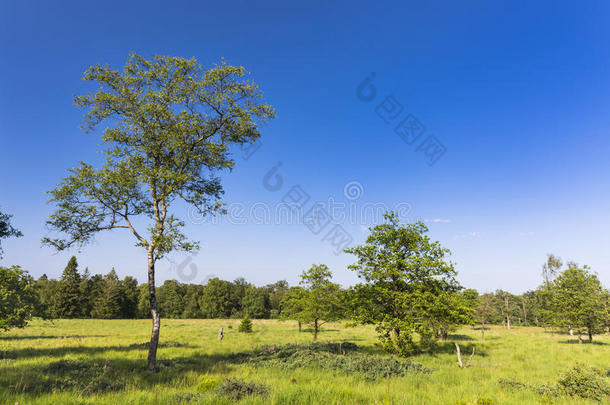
(61, 362)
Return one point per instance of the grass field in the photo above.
(190, 353)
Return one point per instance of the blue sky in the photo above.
(517, 93)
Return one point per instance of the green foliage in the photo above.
(245, 325)
(408, 286)
(340, 357)
(68, 303)
(17, 297)
(585, 382)
(236, 389)
(316, 301)
(7, 230)
(256, 302)
(221, 299)
(576, 299)
(108, 304)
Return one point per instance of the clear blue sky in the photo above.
(518, 94)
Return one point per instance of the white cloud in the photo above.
(467, 235)
(438, 220)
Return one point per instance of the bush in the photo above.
(584, 382)
(246, 325)
(341, 357)
(237, 389)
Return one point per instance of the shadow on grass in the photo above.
(449, 348)
(98, 376)
(50, 337)
(58, 352)
(584, 342)
(460, 337)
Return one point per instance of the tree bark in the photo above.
(299, 326)
(154, 310)
(507, 321)
(579, 338)
(590, 336)
(315, 329)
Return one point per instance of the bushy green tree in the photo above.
(17, 297)
(578, 301)
(221, 299)
(68, 303)
(255, 303)
(192, 296)
(405, 278)
(168, 125)
(46, 293)
(317, 301)
(171, 299)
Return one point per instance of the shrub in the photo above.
(246, 325)
(341, 357)
(584, 382)
(237, 389)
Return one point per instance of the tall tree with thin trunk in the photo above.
(168, 128)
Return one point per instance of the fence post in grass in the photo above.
(221, 334)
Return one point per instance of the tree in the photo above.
(276, 295)
(220, 299)
(577, 300)
(69, 303)
(551, 268)
(255, 303)
(292, 305)
(168, 127)
(108, 304)
(485, 310)
(17, 297)
(46, 294)
(317, 301)
(507, 306)
(171, 299)
(404, 273)
(129, 298)
(7, 230)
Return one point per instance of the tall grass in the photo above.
(103, 362)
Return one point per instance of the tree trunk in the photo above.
(579, 338)
(590, 336)
(482, 330)
(507, 321)
(315, 329)
(154, 310)
(299, 326)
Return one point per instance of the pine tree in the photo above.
(85, 293)
(68, 301)
(108, 304)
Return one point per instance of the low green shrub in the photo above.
(341, 357)
(584, 382)
(237, 389)
(580, 381)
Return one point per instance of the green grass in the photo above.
(192, 361)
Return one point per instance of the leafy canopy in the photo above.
(408, 285)
(168, 127)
